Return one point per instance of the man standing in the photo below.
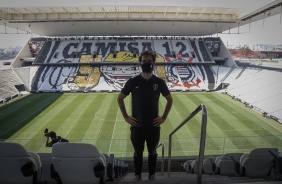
(145, 121)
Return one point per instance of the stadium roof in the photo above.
(138, 18)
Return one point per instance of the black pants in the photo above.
(138, 137)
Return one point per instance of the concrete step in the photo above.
(184, 178)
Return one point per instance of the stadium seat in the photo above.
(194, 166)
(110, 167)
(225, 165)
(78, 163)
(209, 165)
(257, 163)
(187, 166)
(117, 168)
(18, 165)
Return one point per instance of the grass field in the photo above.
(95, 118)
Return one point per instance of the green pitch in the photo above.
(95, 118)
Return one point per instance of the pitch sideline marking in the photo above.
(102, 118)
(113, 131)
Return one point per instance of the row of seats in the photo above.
(8, 80)
(68, 163)
(259, 88)
(258, 163)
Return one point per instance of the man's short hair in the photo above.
(147, 53)
(53, 134)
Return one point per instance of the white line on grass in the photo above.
(113, 131)
(102, 118)
(243, 130)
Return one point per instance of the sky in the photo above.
(257, 33)
(269, 32)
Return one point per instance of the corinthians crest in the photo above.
(155, 86)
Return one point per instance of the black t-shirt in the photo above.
(59, 139)
(145, 98)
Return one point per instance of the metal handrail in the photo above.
(162, 165)
(202, 139)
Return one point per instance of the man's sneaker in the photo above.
(137, 178)
(152, 177)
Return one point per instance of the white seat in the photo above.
(18, 165)
(106, 157)
(258, 163)
(75, 162)
(225, 166)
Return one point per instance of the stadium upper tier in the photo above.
(95, 64)
(124, 50)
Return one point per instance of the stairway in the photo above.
(185, 178)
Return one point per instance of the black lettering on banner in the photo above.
(183, 48)
(103, 49)
(66, 50)
(131, 48)
(122, 46)
(86, 48)
(147, 46)
(167, 49)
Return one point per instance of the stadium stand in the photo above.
(223, 70)
(24, 74)
(8, 85)
(48, 174)
(232, 76)
(213, 44)
(225, 164)
(260, 89)
(258, 163)
(110, 166)
(195, 48)
(18, 165)
(204, 51)
(78, 163)
(188, 165)
(61, 64)
(209, 165)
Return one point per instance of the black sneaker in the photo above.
(137, 178)
(152, 177)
